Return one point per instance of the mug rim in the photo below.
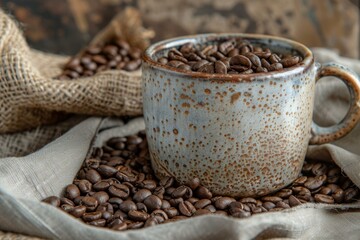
(299, 68)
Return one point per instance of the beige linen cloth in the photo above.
(24, 181)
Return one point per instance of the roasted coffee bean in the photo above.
(200, 212)
(84, 186)
(167, 182)
(314, 182)
(319, 169)
(64, 200)
(106, 171)
(119, 227)
(273, 199)
(321, 198)
(220, 67)
(153, 202)
(159, 212)
(165, 204)
(101, 186)
(98, 223)
(93, 176)
(171, 212)
(186, 208)
(90, 203)
(223, 202)
(350, 194)
(138, 215)
(77, 211)
(202, 203)
(101, 197)
(120, 190)
(66, 207)
(241, 214)
(183, 191)
(53, 200)
(290, 61)
(149, 184)
(293, 201)
(241, 60)
(203, 192)
(338, 195)
(140, 195)
(207, 68)
(91, 216)
(72, 191)
(127, 206)
(248, 200)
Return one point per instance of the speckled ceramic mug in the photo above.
(242, 135)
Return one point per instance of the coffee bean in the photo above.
(182, 191)
(223, 202)
(93, 176)
(202, 203)
(72, 191)
(140, 195)
(127, 206)
(171, 212)
(77, 211)
(220, 67)
(119, 227)
(226, 47)
(350, 194)
(284, 193)
(153, 202)
(64, 200)
(241, 60)
(91, 216)
(291, 61)
(248, 200)
(101, 197)
(202, 192)
(186, 208)
(138, 215)
(241, 214)
(207, 68)
(119, 190)
(161, 213)
(319, 169)
(275, 67)
(90, 203)
(200, 212)
(84, 186)
(106, 171)
(338, 195)
(53, 200)
(253, 58)
(167, 182)
(282, 204)
(273, 199)
(293, 201)
(321, 198)
(135, 225)
(98, 223)
(313, 182)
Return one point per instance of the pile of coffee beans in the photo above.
(234, 56)
(117, 54)
(116, 188)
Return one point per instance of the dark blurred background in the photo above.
(66, 26)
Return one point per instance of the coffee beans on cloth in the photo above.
(116, 188)
(117, 54)
(234, 56)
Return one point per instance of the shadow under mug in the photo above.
(241, 135)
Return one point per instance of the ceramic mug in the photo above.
(241, 135)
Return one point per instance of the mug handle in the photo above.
(322, 135)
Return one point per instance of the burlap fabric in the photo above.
(29, 97)
(26, 180)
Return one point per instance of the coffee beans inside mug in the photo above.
(233, 56)
(116, 188)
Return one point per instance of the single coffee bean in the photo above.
(223, 202)
(221, 212)
(211, 208)
(138, 215)
(273, 199)
(293, 201)
(313, 183)
(319, 169)
(106, 171)
(127, 206)
(291, 61)
(93, 176)
(284, 193)
(202, 203)
(140, 195)
(153, 202)
(253, 58)
(241, 214)
(248, 200)
(203, 192)
(350, 194)
(119, 227)
(269, 205)
(171, 212)
(90, 203)
(53, 200)
(115, 200)
(338, 195)
(66, 207)
(282, 204)
(98, 223)
(135, 225)
(72, 191)
(159, 212)
(120, 190)
(167, 182)
(77, 211)
(200, 212)
(101, 186)
(220, 67)
(165, 204)
(241, 60)
(186, 208)
(182, 191)
(64, 200)
(321, 198)
(84, 186)
(101, 197)
(149, 184)
(92, 216)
